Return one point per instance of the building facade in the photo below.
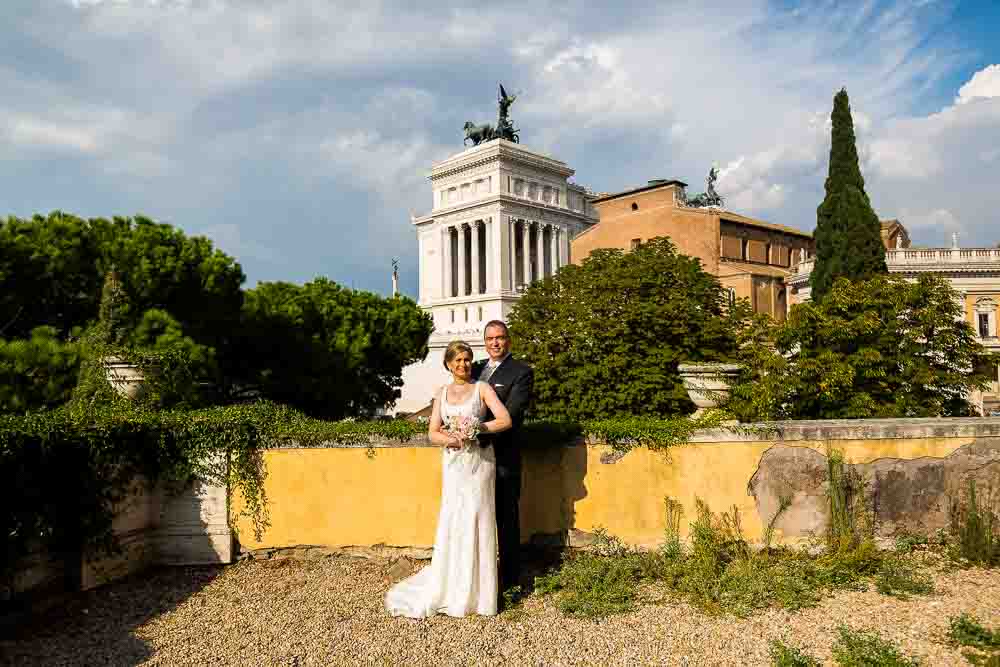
(750, 257)
(502, 217)
(973, 272)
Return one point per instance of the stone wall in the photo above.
(346, 498)
(154, 526)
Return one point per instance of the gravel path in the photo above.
(329, 612)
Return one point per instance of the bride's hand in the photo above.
(455, 443)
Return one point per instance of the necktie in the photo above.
(488, 371)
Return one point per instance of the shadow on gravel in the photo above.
(97, 627)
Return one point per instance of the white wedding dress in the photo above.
(462, 576)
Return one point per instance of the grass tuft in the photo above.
(967, 631)
(900, 577)
(595, 583)
(783, 655)
(975, 528)
(854, 648)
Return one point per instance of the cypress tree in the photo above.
(848, 234)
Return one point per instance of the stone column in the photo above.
(462, 275)
(526, 251)
(511, 228)
(554, 248)
(492, 256)
(446, 274)
(474, 229)
(564, 245)
(539, 252)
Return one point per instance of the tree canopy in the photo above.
(326, 350)
(848, 233)
(605, 337)
(329, 351)
(885, 347)
(52, 269)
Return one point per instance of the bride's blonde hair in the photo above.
(455, 348)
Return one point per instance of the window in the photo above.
(480, 313)
(635, 207)
(984, 325)
(744, 248)
(767, 254)
(452, 316)
(466, 314)
(732, 296)
(635, 243)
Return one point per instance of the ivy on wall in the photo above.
(65, 470)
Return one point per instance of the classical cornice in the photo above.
(508, 205)
(495, 151)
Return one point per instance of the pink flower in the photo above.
(464, 427)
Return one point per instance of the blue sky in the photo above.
(297, 135)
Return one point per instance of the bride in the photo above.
(462, 576)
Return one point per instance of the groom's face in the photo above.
(497, 342)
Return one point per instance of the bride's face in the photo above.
(461, 366)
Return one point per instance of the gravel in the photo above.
(328, 611)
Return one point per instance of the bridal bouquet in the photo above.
(465, 428)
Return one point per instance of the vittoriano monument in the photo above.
(501, 217)
(504, 129)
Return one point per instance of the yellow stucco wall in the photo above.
(342, 497)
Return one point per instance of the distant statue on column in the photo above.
(395, 277)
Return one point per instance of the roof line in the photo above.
(648, 186)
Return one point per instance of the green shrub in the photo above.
(605, 337)
(718, 572)
(908, 543)
(966, 630)
(885, 347)
(783, 655)
(37, 373)
(595, 583)
(900, 577)
(867, 649)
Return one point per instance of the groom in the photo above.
(512, 380)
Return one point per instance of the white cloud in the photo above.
(336, 112)
(35, 132)
(984, 84)
(85, 4)
(936, 172)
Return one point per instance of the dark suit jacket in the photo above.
(513, 381)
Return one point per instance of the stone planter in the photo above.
(126, 378)
(707, 384)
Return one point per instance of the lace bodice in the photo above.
(472, 406)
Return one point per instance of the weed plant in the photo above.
(719, 571)
(967, 631)
(783, 655)
(867, 649)
(900, 577)
(975, 528)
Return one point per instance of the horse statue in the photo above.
(709, 198)
(478, 133)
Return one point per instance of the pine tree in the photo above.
(848, 235)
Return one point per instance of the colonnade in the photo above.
(472, 255)
(537, 250)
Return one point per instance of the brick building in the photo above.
(750, 257)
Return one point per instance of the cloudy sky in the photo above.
(298, 134)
